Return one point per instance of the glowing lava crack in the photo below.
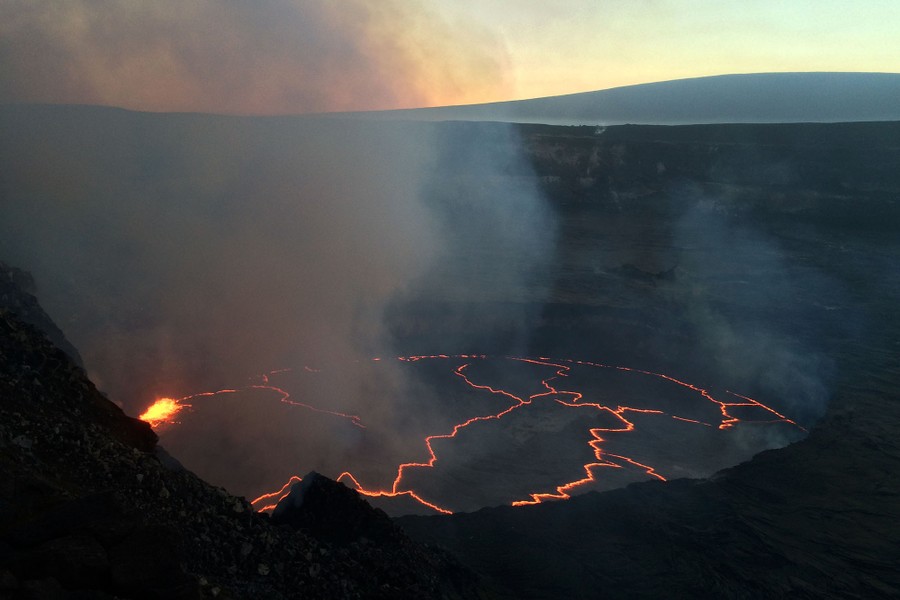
(165, 411)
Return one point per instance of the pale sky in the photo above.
(296, 56)
(563, 46)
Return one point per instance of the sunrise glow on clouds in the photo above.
(579, 45)
(296, 56)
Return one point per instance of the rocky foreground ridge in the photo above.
(91, 507)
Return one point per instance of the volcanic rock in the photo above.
(17, 294)
(333, 512)
(90, 509)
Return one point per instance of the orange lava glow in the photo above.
(163, 411)
(552, 390)
(269, 501)
(168, 407)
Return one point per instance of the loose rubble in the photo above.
(90, 504)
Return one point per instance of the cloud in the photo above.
(265, 57)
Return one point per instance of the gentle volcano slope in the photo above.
(750, 98)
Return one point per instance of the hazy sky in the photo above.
(580, 45)
(289, 56)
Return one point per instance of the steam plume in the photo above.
(190, 253)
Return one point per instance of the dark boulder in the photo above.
(333, 512)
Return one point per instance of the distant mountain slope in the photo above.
(752, 98)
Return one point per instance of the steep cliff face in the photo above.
(89, 504)
(835, 174)
(17, 294)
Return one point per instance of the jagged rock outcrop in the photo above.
(333, 512)
(17, 294)
(88, 509)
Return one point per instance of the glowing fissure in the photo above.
(266, 502)
(603, 458)
(165, 409)
(162, 411)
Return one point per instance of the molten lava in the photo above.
(163, 411)
(551, 391)
(269, 501)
